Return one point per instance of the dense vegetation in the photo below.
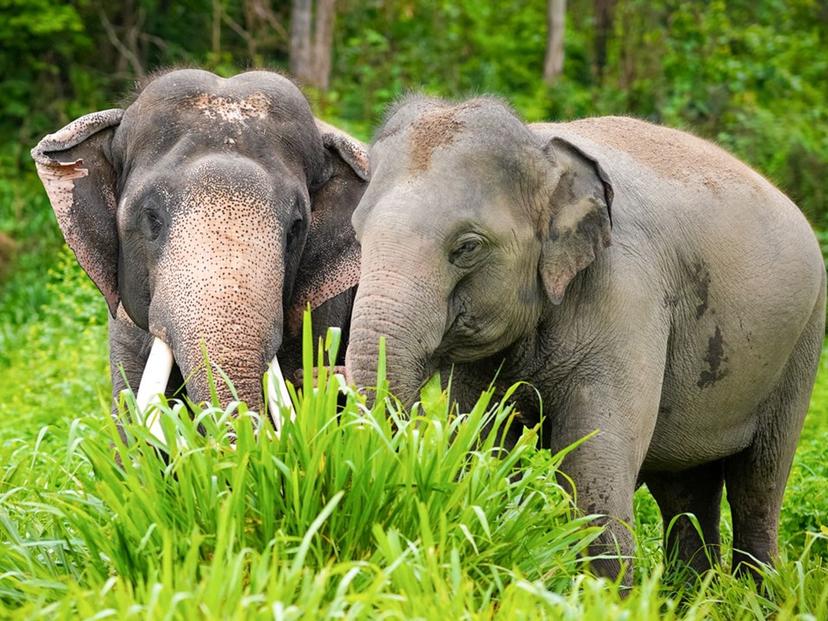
(370, 517)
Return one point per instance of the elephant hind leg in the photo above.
(756, 477)
(697, 491)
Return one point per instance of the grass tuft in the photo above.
(351, 512)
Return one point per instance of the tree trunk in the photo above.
(300, 39)
(322, 43)
(555, 16)
(215, 38)
(310, 48)
(603, 30)
(7, 249)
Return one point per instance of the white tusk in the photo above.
(154, 382)
(278, 395)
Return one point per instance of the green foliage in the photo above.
(806, 497)
(36, 37)
(60, 345)
(345, 505)
(752, 76)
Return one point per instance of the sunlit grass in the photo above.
(351, 512)
(345, 503)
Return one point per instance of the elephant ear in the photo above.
(75, 167)
(577, 223)
(346, 147)
(331, 259)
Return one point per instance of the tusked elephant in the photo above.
(649, 286)
(212, 211)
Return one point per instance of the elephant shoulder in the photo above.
(671, 154)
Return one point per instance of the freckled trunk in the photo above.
(240, 329)
(219, 283)
(244, 367)
(400, 305)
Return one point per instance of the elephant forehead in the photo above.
(435, 208)
(435, 129)
(258, 114)
(231, 109)
(248, 93)
(224, 240)
(216, 181)
(425, 128)
(236, 196)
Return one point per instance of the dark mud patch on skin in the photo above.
(701, 287)
(714, 358)
(670, 301)
(433, 129)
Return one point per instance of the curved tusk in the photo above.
(277, 395)
(154, 382)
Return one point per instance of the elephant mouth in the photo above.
(157, 373)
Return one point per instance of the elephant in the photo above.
(209, 212)
(649, 286)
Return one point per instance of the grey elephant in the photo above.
(649, 285)
(211, 211)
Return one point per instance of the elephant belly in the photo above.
(721, 366)
(740, 294)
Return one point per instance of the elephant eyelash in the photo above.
(153, 224)
(466, 248)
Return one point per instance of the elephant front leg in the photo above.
(621, 412)
(129, 349)
(604, 484)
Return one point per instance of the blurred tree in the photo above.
(311, 48)
(750, 74)
(603, 30)
(126, 38)
(300, 39)
(556, 17)
(7, 248)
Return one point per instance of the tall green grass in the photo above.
(351, 512)
(353, 508)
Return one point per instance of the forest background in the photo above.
(751, 75)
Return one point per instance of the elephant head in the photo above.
(471, 228)
(190, 210)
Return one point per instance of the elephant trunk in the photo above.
(240, 334)
(157, 373)
(219, 284)
(406, 311)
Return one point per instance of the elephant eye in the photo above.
(466, 250)
(294, 231)
(152, 224)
